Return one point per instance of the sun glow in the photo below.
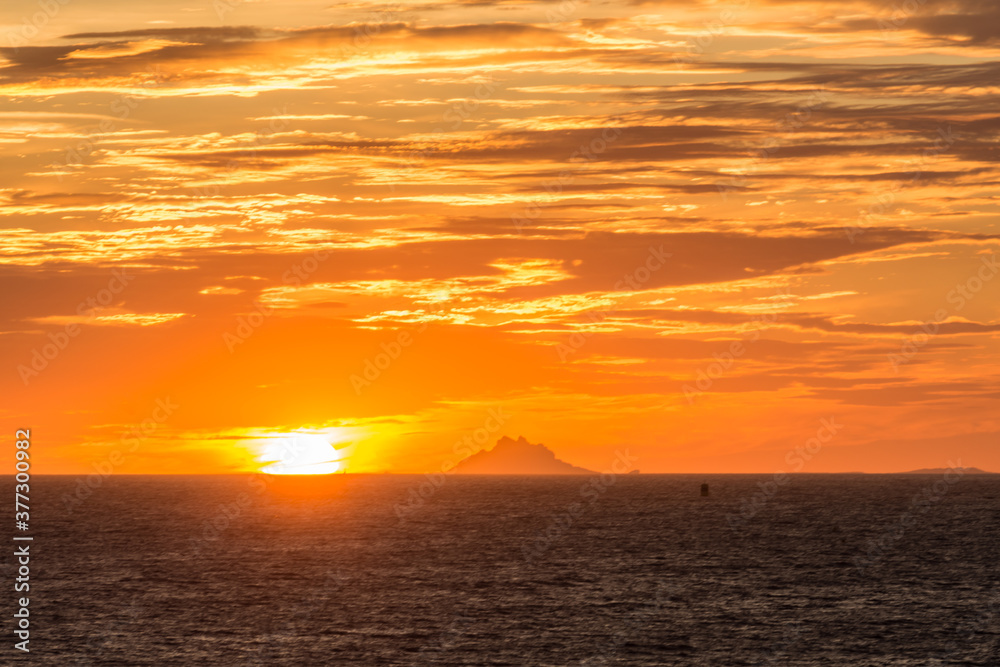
(301, 454)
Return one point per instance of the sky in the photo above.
(721, 236)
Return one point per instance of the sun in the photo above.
(300, 454)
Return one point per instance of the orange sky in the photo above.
(693, 230)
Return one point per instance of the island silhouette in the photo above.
(517, 457)
(941, 471)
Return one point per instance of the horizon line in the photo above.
(919, 471)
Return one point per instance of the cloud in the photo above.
(498, 189)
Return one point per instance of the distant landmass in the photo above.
(941, 471)
(517, 457)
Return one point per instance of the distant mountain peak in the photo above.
(517, 457)
(941, 471)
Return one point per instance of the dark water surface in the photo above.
(824, 570)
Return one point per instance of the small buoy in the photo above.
(704, 490)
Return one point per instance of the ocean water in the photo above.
(405, 570)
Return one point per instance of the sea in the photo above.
(807, 569)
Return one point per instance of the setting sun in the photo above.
(301, 454)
